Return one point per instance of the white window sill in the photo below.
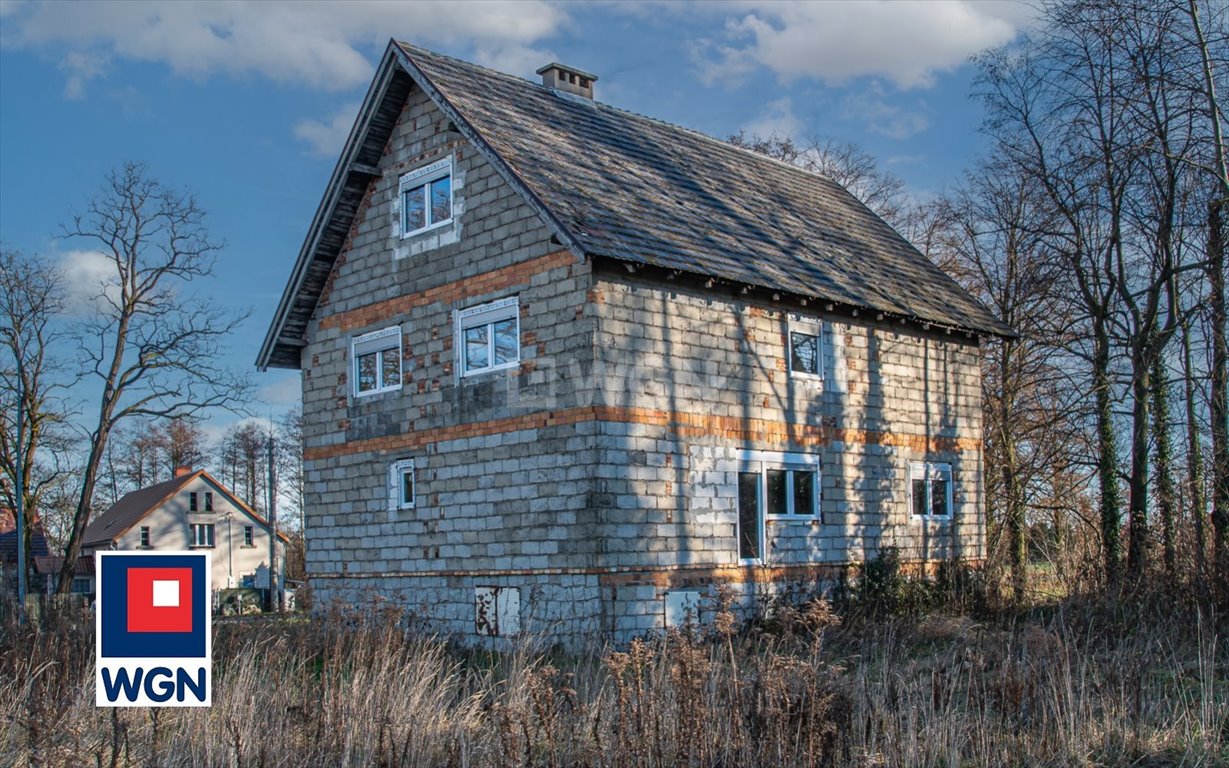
(792, 519)
(380, 391)
(933, 518)
(425, 230)
(755, 562)
(492, 369)
(813, 378)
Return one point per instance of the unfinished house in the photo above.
(565, 367)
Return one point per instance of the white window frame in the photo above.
(194, 529)
(760, 462)
(929, 471)
(377, 342)
(423, 177)
(249, 536)
(396, 471)
(487, 314)
(809, 327)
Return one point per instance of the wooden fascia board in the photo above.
(328, 205)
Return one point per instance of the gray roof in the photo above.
(615, 184)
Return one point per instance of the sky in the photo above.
(246, 104)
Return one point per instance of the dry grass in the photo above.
(1080, 684)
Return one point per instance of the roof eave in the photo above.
(394, 56)
(325, 211)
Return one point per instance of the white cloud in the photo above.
(88, 276)
(906, 42)
(79, 68)
(313, 44)
(285, 391)
(778, 119)
(877, 114)
(327, 138)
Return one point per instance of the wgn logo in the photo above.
(153, 644)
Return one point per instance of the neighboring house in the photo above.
(47, 572)
(190, 511)
(8, 551)
(566, 367)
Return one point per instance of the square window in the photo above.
(774, 487)
(401, 489)
(201, 534)
(490, 336)
(426, 197)
(804, 348)
(377, 361)
(930, 490)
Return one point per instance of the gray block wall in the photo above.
(601, 473)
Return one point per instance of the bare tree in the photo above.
(181, 443)
(994, 242)
(845, 163)
(1211, 52)
(243, 448)
(151, 347)
(34, 440)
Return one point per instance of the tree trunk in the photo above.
(1165, 491)
(1220, 393)
(1107, 458)
(1138, 544)
(1012, 497)
(82, 516)
(1194, 461)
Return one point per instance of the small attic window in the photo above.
(426, 198)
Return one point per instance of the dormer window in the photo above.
(426, 198)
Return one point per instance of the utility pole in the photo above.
(275, 592)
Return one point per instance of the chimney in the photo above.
(568, 79)
(181, 471)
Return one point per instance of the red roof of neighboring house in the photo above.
(51, 564)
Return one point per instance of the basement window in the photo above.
(804, 348)
(930, 490)
(401, 490)
(489, 336)
(426, 198)
(377, 361)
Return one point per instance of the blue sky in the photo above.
(247, 104)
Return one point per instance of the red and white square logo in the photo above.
(160, 600)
